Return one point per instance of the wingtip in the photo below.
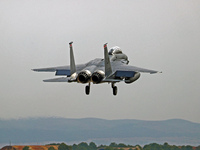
(48, 80)
(34, 69)
(155, 72)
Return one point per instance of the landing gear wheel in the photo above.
(87, 90)
(114, 90)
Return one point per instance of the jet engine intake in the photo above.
(98, 76)
(129, 80)
(84, 76)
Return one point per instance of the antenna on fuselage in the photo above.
(72, 61)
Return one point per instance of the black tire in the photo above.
(114, 90)
(87, 90)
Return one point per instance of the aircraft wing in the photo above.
(52, 69)
(60, 70)
(125, 67)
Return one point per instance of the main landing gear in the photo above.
(114, 89)
(87, 89)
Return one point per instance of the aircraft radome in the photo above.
(112, 69)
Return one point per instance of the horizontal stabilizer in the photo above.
(63, 73)
(62, 79)
(125, 73)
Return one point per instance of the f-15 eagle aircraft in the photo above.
(112, 69)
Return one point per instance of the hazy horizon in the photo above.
(57, 117)
(101, 131)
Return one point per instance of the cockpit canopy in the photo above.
(115, 50)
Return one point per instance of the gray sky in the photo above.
(160, 35)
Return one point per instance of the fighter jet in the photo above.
(112, 69)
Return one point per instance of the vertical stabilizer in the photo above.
(108, 69)
(72, 61)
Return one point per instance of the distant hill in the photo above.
(101, 131)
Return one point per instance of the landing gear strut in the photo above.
(87, 89)
(114, 89)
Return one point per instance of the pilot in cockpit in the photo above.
(115, 53)
(115, 50)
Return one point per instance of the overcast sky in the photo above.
(160, 35)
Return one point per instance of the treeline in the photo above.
(121, 146)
